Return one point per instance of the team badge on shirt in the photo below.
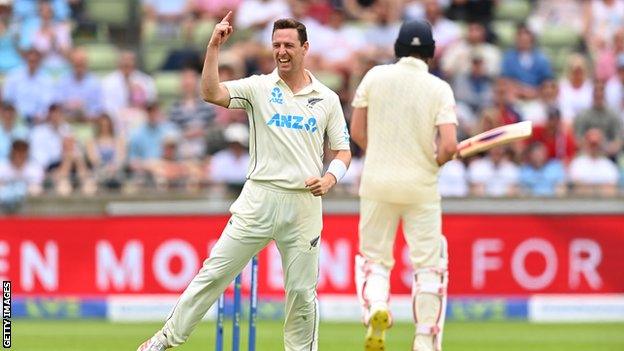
(276, 96)
(313, 101)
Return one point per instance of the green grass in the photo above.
(459, 336)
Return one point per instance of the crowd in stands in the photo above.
(67, 129)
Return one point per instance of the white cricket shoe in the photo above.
(380, 320)
(152, 344)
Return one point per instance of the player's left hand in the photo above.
(320, 186)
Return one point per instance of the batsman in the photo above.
(291, 115)
(404, 118)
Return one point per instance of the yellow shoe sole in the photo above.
(376, 334)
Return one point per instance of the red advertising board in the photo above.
(489, 254)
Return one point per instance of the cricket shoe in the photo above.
(379, 321)
(152, 344)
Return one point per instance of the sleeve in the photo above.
(446, 110)
(337, 130)
(360, 100)
(242, 91)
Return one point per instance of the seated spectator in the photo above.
(10, 130)
(540, 176)
(229, 166)
(458, 58)
(601, 117)
(525, 66)
(556, 137)
(53, 39)
(556, 13)
(215, 9)
(502, 111)
(475, 87)
(29, 89)
(169, 172)
(494, 174)
(470, 10)
(346, 41)
(147, 140)
(614, 89)
(126, 88)
(257, 14)
(192, 116)
(19, 177)
(591, 173)
(72, 171)
(452, 179)
(536, 110)
(171, 18)
(607, 62)
(46, 139)
(25, 10)
(8, 40)
(576, 88)
(445, 31)
(602, 19)
(106, 153)
(381, 33)
(80, 92)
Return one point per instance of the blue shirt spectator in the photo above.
(25, 10)
(525, 63)
(8, 48)
(146, 141)
(80, 92)
(540, 177)
(9, 130)
(29, 89)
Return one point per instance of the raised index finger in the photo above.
(227, 17)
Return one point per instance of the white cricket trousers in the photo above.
(260, 214)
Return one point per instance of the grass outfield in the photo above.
(481, 336)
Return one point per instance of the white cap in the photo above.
(237, 133)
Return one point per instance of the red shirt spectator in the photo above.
(558, 139)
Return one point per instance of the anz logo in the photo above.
(293, 122)
(276, 96)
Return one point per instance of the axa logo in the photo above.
(276, 96)
(308, 124)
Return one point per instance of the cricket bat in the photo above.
(494, 137)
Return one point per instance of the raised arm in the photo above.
(211, 88)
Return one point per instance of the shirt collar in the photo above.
(314, 86)
(414, 62)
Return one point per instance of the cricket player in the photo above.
(290, 112)
(400, 113)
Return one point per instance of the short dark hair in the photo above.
(19, 145)
(290, 23)
(423, 52)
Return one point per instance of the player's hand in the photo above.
(222, 31)
(320, 186)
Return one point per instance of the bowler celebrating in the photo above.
(398, 111)
(289, 112)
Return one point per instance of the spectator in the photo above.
(147, 140)
(475, 87)
(525, 65)
(541, 176)
(169, 172)
(46, 139)
(229, 166)
(470, 10)
(457, 59)
(26, 10)
(346, 41)
(19, 177)
(556, 14)
(8, 40)
(607, 60)
(556, 137)
(29, 89)
(536, 110)
(502, 112)
(576, 89)
(257, 14)
(170, 17)
(452, 179)
(591, 173)
(80, 92)
(614, 90)
(445, 31)
(106, 153)
(192, 116)
(126, 88)
(10, 130)
(601, 117)
(493, 175)
(72, 171)
(215, 9)
(381, 32)
(52, 39)
(602, 18)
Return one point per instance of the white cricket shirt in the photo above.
(287, 130)
(405, 104)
